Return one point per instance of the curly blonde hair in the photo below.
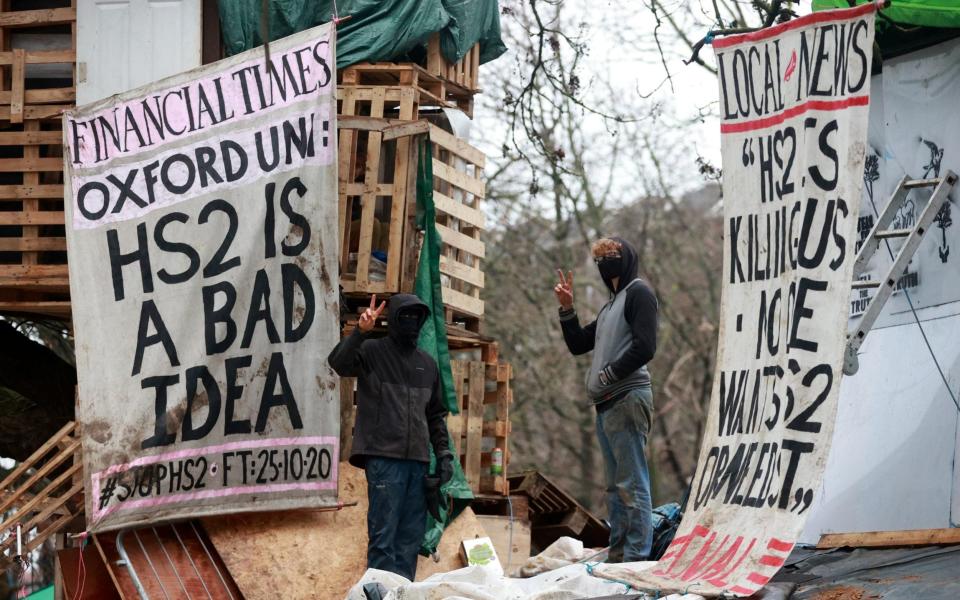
(605, 246)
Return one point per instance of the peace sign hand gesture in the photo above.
(370, 315)
(564, 290)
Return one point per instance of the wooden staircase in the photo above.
(42, 495)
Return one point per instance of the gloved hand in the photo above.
(607, 375)
(445, 467)
(434, 498)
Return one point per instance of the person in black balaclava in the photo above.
(400, 412)
(623, 339)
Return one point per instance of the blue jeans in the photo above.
(622, 430)
(397, 515)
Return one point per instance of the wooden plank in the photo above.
(460, 241)
(510, 537)
(51, 244)
(41, 57)
(461, 180)
(357, 189)
(38, 454)
(26, 508)
(402, 130)
(474, 433)
(41, 217)
(461, 271)
(28, 138)
(39, 111)
(458, 146)
(498, 428)
(462, 302)
(368, 200)
(32, 153)
(43, 471)
(399, 202)
(17, 85)
(44, 96)
(15, 165)
(18, 192)
(885, 539)
(32, 18)
(58, 309)
(455, 208)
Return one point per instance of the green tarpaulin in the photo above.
(377, 30)
(928, 13)
(908, 25)
(433, 337)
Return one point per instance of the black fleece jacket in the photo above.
(400, 408)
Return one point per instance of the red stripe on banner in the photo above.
(779, 545)
(768, 560)
(758, 578)
(739, 589)
(812, 19)
(794, 111)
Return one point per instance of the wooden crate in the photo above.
(378, 209)
(33, 263)
(377, 190)
(484, 394)
(464, 74)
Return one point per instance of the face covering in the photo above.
(610, 268)
(408, 327)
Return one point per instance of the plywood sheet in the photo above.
(316, 555)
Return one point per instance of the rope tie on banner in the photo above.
(708, 39)
(81, 569)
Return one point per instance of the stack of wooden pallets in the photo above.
(37, 65)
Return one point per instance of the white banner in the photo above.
(203, 276)
(793, 101)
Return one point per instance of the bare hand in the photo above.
(370, 315)
(564, 289)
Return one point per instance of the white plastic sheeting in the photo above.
(489, 583)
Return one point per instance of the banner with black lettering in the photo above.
(202, 236)
(793, 104)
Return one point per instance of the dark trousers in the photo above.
(397, 516)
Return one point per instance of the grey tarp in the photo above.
(377, 30)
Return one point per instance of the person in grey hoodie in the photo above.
(623, 339)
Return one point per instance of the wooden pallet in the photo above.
(33, 263)
(378, 207)
(484, 394)
(555, 513)
(432, 89)
(464, 75)
(458, 193)
(44, 492)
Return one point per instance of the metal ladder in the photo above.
(914, 236)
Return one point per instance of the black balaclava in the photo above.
(406, 314)
(625, 268)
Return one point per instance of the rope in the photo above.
(81, 570)
(913, 310)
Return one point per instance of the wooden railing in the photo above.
(42, 494)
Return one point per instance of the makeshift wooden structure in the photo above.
(484, 394)
(554, 513)
(43, 493)
(464, 74)
(33, 262)
(379, 244)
